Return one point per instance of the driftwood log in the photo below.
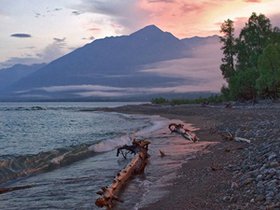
(186, 133)
(231, 137)
(109, 194)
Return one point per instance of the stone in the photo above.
(272, 156)
(263, 167)
(234, 185)
(226, 198)
(260, 198)
(259, 177)
(274, 164)
(248, 181)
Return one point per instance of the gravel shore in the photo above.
(229, 175)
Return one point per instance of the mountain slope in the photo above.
(114, 57)
(197, 41)
(13, 74)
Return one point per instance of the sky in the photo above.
(36, 31)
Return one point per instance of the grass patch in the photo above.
(214, 99)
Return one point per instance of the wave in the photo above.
(21, 108)
(40, 108)
(157, 123)
(109, 144)
(13, 167)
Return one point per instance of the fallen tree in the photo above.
(186, 133)
(137, 165)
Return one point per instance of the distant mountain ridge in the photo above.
(93, 63)
(196, 41)
(115, 62)
(10, 75)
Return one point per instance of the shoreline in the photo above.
(217, 179)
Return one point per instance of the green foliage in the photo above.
(252, 40)
(159, 100)
(228, 47)
(251, 63)
(242, 85)
(226, 93)
(268, 84)
(214, 99)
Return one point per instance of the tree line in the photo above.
(251, 61)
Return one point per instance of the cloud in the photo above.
(95, 29)
(195, 17)
(59, 40)
(66, 88)
(76, 13)
(54, 50)
(161, 1)
(202, 67)
(51, 52)
(253, 1)
(89, 38)
(27, 60)
(110, 91)
(127, 15)
(37, 15)
(101, 94)
(21, 35)
(57, 9)
(28, 48)
(193, 7)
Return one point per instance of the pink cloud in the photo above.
(183, 18)
(253, 1)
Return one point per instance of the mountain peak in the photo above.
(148, 30)
(152, 28)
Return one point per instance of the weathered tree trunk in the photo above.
(136, 166)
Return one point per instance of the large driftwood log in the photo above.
(186, 133)
(136, 166)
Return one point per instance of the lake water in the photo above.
(67, 153)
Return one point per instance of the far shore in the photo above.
(215, 178)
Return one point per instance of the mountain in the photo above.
(98, 62)
(112, 67)
(197, 41)
(8, 76)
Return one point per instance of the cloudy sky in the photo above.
(35, 31)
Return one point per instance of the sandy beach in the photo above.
(225, 175)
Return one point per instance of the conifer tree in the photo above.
(228, 47)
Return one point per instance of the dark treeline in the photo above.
(251, 61)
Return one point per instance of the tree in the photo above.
(268, 84)
(242, 85)
(251, 63)
(253, 38)
(228, 41)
